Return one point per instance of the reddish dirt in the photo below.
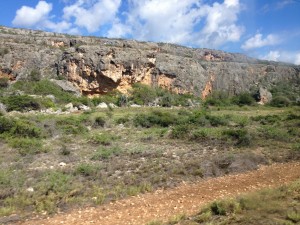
(187, 198)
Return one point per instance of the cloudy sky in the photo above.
(266, 29)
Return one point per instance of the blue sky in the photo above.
(259, 28)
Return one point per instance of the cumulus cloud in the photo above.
(297, 59)
(39, 17)
(185, 22)
(283, 56)
(29, 17)
(258, 41)
(92, 15)
(272, 56)
(188, 22)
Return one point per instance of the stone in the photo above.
(69, 106)
(2, 108)
(30, 189)
(84, 107)
(52, 97)
(135, 106)
(102, 105)
(62, 164)
(111, 105)
(264, 96)
(67, 86)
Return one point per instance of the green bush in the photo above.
(105, 153)
(280, 101)
(103, 139)
(155, 118)
(143, 94)
(241, 136)
(99, 121)
(21, 103)
(243, 99)
(180, 131)
(19, 128)
(27, 146)
(86, 169)
(35, 75)
(217, 98)
(216, 121)
(4, 81)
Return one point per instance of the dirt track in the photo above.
(187, 198)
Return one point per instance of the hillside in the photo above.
(100, 65)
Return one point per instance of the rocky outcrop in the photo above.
(96, 66)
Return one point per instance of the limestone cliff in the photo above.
(100, 65)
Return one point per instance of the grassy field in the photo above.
(52, 163)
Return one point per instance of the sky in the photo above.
(265, 29)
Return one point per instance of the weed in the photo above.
(180, 131)
(241, 136)
(21, 103)
(27, 146)
(86, 169)
(103, 138)
(105, 153)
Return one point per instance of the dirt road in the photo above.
(187, 198)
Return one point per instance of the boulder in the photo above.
(135, 106)
(67, 86)
(112, 105)
(264, 96)
(2, 108)
(102, 105)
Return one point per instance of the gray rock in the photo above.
(52, 97)
(67, 86)
(2, 108)
(111, 105)
(69, 106)
(83, 107)
(102, 105)
(135, 106)
(264, 96)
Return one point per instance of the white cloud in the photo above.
(29, 17)
(188, 22)
(92, 15)
(297, 59)
(258, 41)
(283, 56)
(272, 56)
(185, 22)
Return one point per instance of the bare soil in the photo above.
(187, 198)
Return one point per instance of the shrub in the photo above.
(143, 94)
(180, 131)
(35, 75)
(280, 101)
(216, 121)
(105, 153)
(99, 121)
(241, 136)
(21, 103)
(86, 169)
(243, 99)
(19, 128)
(27, 146)
(103, 139)
(4, 81)
(218, 98)
(155, 118)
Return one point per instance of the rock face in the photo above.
(96, 66)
